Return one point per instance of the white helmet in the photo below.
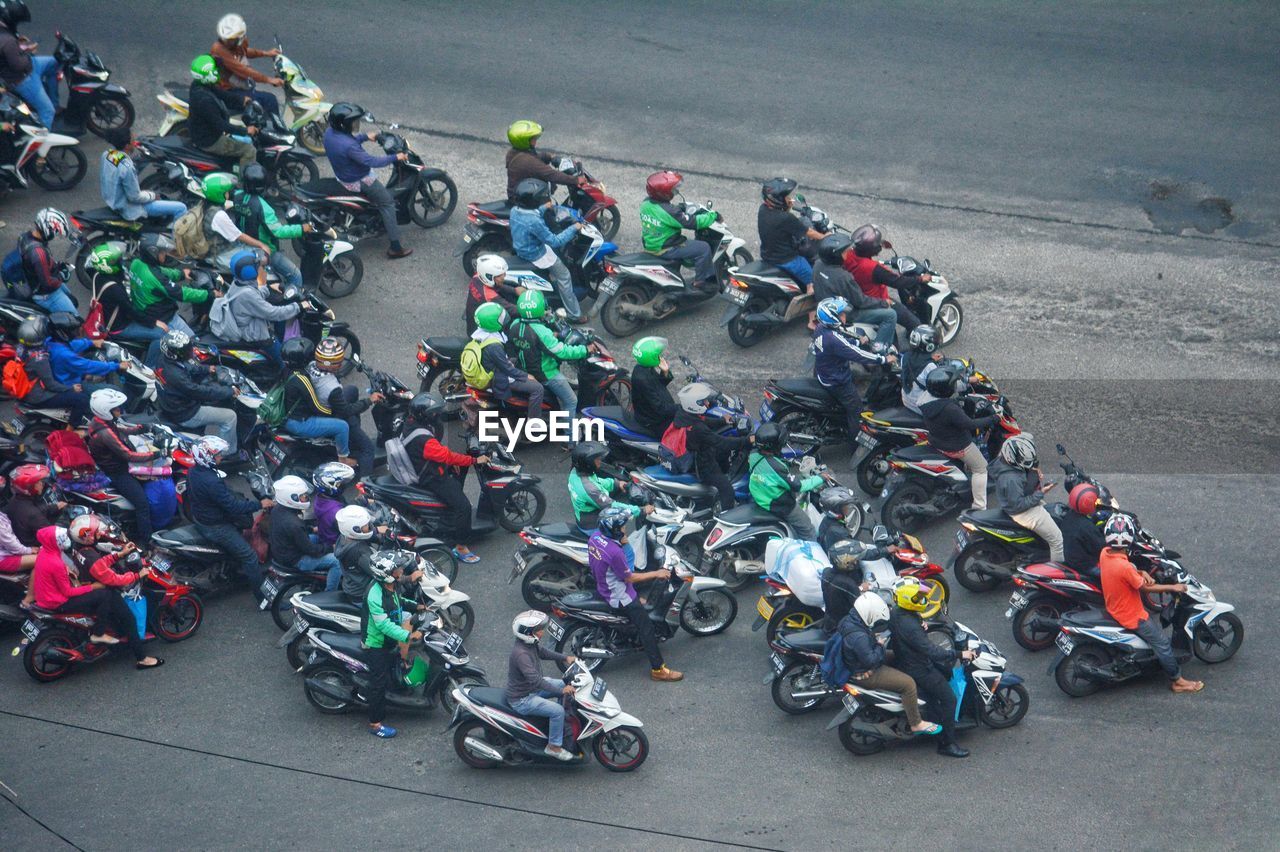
(872, 608)
(354, 522)
(527, 624)
(206, 450)
(103, 403)
(489, 267)
(231, 27)
(293, 492)
(51, 223)
(693, 397)
(1019, 451)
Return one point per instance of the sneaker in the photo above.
(396, 254)
(558, 754)
(383, 732)
(665, 674)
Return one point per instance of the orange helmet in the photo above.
(1084, 498)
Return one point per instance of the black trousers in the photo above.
(851, 401)
(710, 472)
(449, 489)
(906, 316)
(132, 490)
(109, 611)
(940, 703)
(382, 662)
(639, 617)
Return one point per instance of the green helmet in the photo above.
(523, 133)
(106, 257)
(648, 351)
(204, 69)
(491, 316)
(531, 304)
(217, 186)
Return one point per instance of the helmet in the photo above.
(253, 179)
(103, 403)
(830, 309)
(940, 383)
(770, 437)
(1083, 499)
(330, 352)
(613, 522)
(696, 398)
(14, 12)
(204, 69)
(244, 265)
(354, 522)
(531, 193)
(426, 408)
(491, 316)
(384, 564)
(836, 500)
(94, 531)
(332, 478)
(51, 223)
(296, 352)
(1119, 531)
(923, 338)
(662, 186)
(207, 450)
(66, 326)
(846, 555)
(648, 351)
(26, 477)
(151, 246)
(1019, 451)
(489, 268)
(176, 345)
(217, 186)
(292, 491)
(527, 624)
(832, 247)
(871, 608)
(106, 257)
(33, 331)
(775, 192)
(585, 454)
(523, 134)
(910, 594)
(869, 241)
(343, 116)
(531, 304)
(231, 28)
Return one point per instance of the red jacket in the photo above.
(863, 269)
(51, 579)
(104, 571)
(440, 454)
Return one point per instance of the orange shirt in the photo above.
(1120, 584)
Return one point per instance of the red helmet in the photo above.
(1084, 498)
(26, 477)
(661, 186)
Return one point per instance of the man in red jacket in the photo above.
(875, 279)
(442, 470)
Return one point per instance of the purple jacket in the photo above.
(609, 566)
(350, 161)
(326, 519)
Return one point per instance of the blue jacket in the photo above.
(212, 502)
(350, 161)
(118, 183)
(530, 235)
(69, 368)
(833, 351)
(861, 652)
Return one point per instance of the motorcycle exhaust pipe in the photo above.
(764, 320)
(595, 654)
(482, 749)
(804, 696)
(647, 311)
(330, 690)
(748, 566)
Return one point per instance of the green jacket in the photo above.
(661, 224)
(156, 290)
(771, 478)
(260, 220)
(592, 494)
(537, 350)
(383, 625)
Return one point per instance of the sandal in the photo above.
(157, 664)
(932, 730)
(469, 557)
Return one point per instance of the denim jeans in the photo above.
(58, 300)
(563, 282)
(1149, 631)
(138, 331)
(563, 392)
(884, 319)
(40, 88)
(322, 427)
(798, 268)
(329, 563)
(698, 252)
(290, 275)
(381, 197)
(229, 539)
(541, 703)
(175, 323)
(160, 208)
(224, 418)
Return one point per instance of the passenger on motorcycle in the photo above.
(219, 229)
(65, 345)
(875, 278)
(46, 391)
(590, 491)
(109, 290)
(330, 480)
(388, 624)
(1082, 540)
(775, 485)
(528, 692)
(253, 319)
(533, 241)
(45, 277)
(928, 663)
(489, 284)
(662, 223)
(843, 582)
(308, 412)
(508, 379)
(209, 115)
(253, 215)
(920, 359)
(118, 182)
(355, 549)
(33, 78)
(343, 400)
(102, 552)
(615, 584)
(525, 161)
(353, 167)
(292, 543)
(28, 510)
(711, 450)
(1021, 491)
(218, 512)
(951, 430)
(15, 556)
(232, 53)
(157, 291)
(834, 349)
(831, 279)
(535, 349)
(651, 402)
(864, 655)
(1122, 588)
(191, 397)
(113, 454)
(785, 239)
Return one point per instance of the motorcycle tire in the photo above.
(569, 577)
(524, 507)
(109, 111)
(715, 610)
(432, 200)
(969, 575)
(895, 515)
(180, 130)
(1218, 642)
(445, 381)
(800, 676)
(159, 183)
(334, 674)
(1067, 674)
(476, 729)
(741, 257)
(1008, 705)
(622, 749)
(608, 221)
(282, 606)
(90, 241)
(178, 620)
(617, 392)
(798, 422)
(949, 321)
(873, 469)
(724, 569)
(63, 169)
(311, 137)
(39, 657)
(789, 618)
(442, 559)
(35, 435)
(579, 636)
(448, 704)
(1028, 635)
(745, 335)
(459, 618)
(856, 742)
(611, 315)
(292, 171)
(488, 244)
(341, 276)
(299, 651)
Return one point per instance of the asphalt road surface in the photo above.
(1097, 181)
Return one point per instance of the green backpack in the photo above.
(272, 411)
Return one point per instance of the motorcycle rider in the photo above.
(353, 167)
(113, 455)
(209, 111)
(33, 78)
(831, 279)
(292, 544)
(28, 510)
(711, 450)
(65, 345)
(834, 350)
(1021, 492)
(951, 430)
(343, 400)
(308, 414)
(785, 239)
(46, 391)
(774, 485)
(843, 582)
(252, 314)
(864, 655)
(232, 51)
(355, 549)
(101, 551)
(535, 349)
(591, 492)
(157, 290)
(528, 692)
(387, 623)
(662, 221)
(924, 661)
(533, 241)
(190, 396)
(525, 161)
(253, 215)
(615, 584)
(218, 513)
(1122, 588)
(651, 402)
(118, 182)
(489, 284)
(920, 359)
(44, 276)
(508, 379)
(1082, 539)
(875, 278)
(330, 480)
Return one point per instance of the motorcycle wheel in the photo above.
(857, 742)
(282, 606)
(90, 242)
(724, 569)
(873, 468)
(448, 381)
(342, 275)
(789, 618)
(802, 423)
(1219, 641)
(551, 579)
(741, 257)
(711, 614)
(442, 559)
(949, 321)
(299, 651)
(180, 130)
(1068, 675)
(35, 435)
(62, 169)
(311, 137)
(982, 552)
(159, 183)
(617, 392)
(745, 335)
(524, 507)
(800, 676)
(459, 618)
(447, 702)
(896, 513)
(334, 675)
(433, 200)
(611, 316)
(292, 171)
(41, 660)
(1028, 635)
(488, 244)
(1008, 705)
(476, 729)
(608, 221)
(622, 749)
(178, 620)
(581, 636)
(109, 111)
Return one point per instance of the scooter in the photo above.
(52, 160)
(585, 256)
(809, 411)
(92, 101)
(101, 225)
(306, 112)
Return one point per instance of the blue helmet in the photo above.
(244, 265)
(613, 522)
(829, 311)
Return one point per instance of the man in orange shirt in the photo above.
(232, 53)
(1122, 587)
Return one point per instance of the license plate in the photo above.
(30, 629)
(521, 562)
(1018, 600)
(764, 608)
(598, 690)
(466, 238)
(275, 453)
(555, 630)
(160, 563)
(453, 643)
(269, 592)
(738, 297)
(777, 662)
(300, 624)
(1064, 643)
(962, 539)
(864, 440)
(608, 287)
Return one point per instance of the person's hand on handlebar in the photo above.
(647, 509)
(482, 459)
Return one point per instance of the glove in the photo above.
(146, 196)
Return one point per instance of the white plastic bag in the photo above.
(799, 564)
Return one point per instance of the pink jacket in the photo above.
(50, 581)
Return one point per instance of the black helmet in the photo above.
(253, 179)
(66, 326)
(775, 191)
(613, 522)
(869, 241)
(14, 12)
(832, 247)
(426, 408)
(923, 338)
(585, 455)
(532, 193)
(296, 352)
(771, 436)
(33, 331)
(940, 383)
(151, 245)
(177, 345)
(847, 554)
(342, 116)
(836, 499)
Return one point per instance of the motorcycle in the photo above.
(101, 225)
(326, 262)
(810, 412)
(1045, 593)
(306, 112)
(644, 287)
(52, 160)
(585, 256)
(488, 732)
(92, 102)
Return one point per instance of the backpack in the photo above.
(834, 670)
(222, 322)
(16, 381)
(272, 411)
(673, 452)
(398, 461)
(189, 236)
(13, 272)
(471, 361)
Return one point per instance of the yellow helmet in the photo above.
(910, 594)
(523, 134)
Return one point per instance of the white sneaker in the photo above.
(558, 754)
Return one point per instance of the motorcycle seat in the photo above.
(996, 518)
(110, 217)
(747, 514)
(762, 269)
(899, 416)
(661, 474)
(391, 485)
(188, 536)
(809, 388)
(585, 600)
(684, 489)
(561, 532)
(500, 209)
(812, 639)
(618, 414)
(347, 643)
(492, 696)
(179, 147)
(448, 345)
(1089, 618)
(642, 257)
(919, 453)
(322, 188)
(334, 601)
